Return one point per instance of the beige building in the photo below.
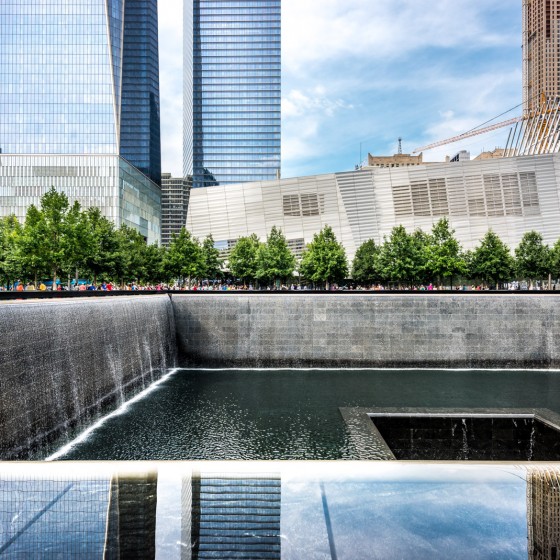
(543, 513)
(497, 153)
(398, 160)
(541, 52)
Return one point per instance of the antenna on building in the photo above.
(400, 147)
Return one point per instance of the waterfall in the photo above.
(465, 448)
(65, 362)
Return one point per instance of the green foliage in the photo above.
(324, 260)
(401, 259)
(366, 265)
(212, 264)
(183, 258)
(492, 261)
(243, 258)
(443, 258)
(532, 257)
(275, 261)
(103, 244)
(555, 260)
(51, 230)
(10, 256)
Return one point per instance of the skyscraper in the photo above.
(541, 52)
(231, 91)
(79, 107)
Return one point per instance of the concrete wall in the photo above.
(431, 330)
(62, 361)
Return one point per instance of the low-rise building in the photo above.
(509, 195)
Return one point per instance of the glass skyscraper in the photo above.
(79, 106)
(231, 91)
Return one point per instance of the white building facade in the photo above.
(509, 195)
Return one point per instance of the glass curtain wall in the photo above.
(234, 132)
(57, 85)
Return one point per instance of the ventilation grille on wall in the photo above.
(311, 204)
(511, 194)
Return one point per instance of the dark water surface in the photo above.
(291, 414)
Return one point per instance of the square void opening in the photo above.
(465, 437)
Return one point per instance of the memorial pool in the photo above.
(202, 414)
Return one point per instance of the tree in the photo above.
(491, 260)
(532, 257)
(153, 264)
(130, 262)
(555, 260)
(212, 264)
(401, 258)
(11, 265)
(78, 243)
(443, 253)
(243, 258)
(52, 229)
(183, 258)
(324, 261)
(104, 247)
(366, 266)
(275, 261)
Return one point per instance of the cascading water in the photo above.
(531, 442)
(64, 362)
(465, 448)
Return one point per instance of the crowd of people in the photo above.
(238, 286)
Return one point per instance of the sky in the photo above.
(359, 74)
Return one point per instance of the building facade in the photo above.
(541, 52)
(231, 91)
(228, 515)
(175, 193)
(79, 107)
(543, 513)
(510, 195)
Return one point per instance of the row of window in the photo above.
(210, 138)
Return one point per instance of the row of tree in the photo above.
(58, 239)
(62, 240)
(437, 257)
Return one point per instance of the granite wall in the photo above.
(64, 361)
(370, 330)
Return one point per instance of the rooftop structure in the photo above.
(397, 160)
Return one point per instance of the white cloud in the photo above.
(391, 29)
(170, 14)
(357, 70)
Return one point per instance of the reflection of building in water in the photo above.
(231, 516)
(543, 513)
(131, 519)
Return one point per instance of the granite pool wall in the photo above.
(64, 362)
(370, 330)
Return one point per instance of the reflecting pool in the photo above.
(291, 414)
(274, 510)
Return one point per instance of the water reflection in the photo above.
(277, 510)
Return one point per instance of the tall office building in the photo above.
(79, 107)
(541, 52)
(228, 515)
(231, 91)
(175, 193)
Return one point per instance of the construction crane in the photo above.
(468, 134)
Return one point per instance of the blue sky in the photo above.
(357, 74)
